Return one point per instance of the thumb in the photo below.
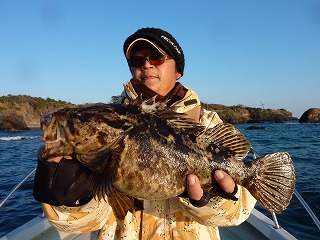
(224, 180)
(193, 187)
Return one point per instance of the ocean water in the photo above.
(18, 152)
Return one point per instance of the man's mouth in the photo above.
(148, 77)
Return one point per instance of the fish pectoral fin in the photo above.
(227, 138)
(102, 185)
(120, 203)
(102, 188)
(97, 159)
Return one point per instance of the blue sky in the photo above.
(249, 52)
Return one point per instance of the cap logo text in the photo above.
(172, 43)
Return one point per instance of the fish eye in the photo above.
(75, 114)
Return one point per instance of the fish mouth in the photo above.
(56, 139)
(51, 132)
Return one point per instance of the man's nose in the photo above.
(146, 64)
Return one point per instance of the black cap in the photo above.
(161, 40)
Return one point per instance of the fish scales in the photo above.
(146, 150)
(161, 169)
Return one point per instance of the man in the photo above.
(156, 62)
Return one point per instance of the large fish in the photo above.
(146, 151)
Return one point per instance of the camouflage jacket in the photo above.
(173, 218)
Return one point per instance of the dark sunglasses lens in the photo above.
(156, 60)
(137, 62)
(153, 60)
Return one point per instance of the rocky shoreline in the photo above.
(12, 122)
(23, 112)
(243, 114)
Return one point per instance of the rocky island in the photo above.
(312, 115)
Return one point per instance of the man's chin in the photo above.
(151, 83)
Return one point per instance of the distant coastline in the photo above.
(243, 114)
(26, 109)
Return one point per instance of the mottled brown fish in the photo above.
(146, 151)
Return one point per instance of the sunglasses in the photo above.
(138, 62)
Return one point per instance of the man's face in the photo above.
(159, 78)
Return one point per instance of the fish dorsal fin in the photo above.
(223, 135)
(161, 110)
(228, 138)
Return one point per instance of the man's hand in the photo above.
(222, 178)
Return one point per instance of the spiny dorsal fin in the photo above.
(223, 135)
(168, 114)
(151, 106)
(228, 138)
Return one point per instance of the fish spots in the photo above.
(70, 126)
(101, 137)
(171, 139)
(130, 181)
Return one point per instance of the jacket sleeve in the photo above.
(83, 219)
(220, 212)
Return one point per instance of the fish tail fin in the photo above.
(273, 181)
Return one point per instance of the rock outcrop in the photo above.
(12, 122)
(312, 115)
(17, 110)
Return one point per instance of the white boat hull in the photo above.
(257, 226)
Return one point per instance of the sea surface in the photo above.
(18, 157)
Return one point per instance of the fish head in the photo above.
(85, 130)
(54, 135)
